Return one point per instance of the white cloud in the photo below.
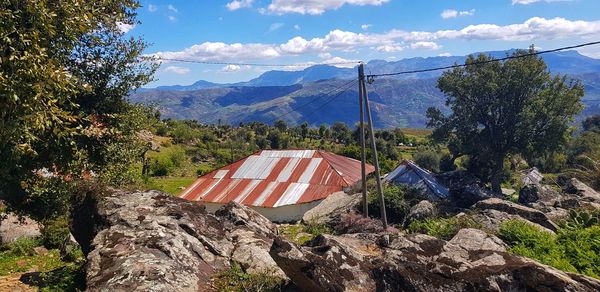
(337, 40)
(389, 48)
(526, 2)
(297, 27)
(172, 8)
(445, 55)
(325, 55)
(231, 68)
(451, 13)
(237, 4)
(425, 45)
(275, 26)
(177, 70)
(125, 27)
(315, 7)
(365, 26)
(172, 18)
(152, 7)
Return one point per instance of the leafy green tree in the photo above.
(281, 125)
(502, 108)
(592, 124)
(65, 68)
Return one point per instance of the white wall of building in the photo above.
(283, 214)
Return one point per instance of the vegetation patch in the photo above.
(302, 233)
(574, 249)
(236, 279)
(442, 228)
(171, 185)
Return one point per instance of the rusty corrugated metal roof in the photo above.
(273, 178)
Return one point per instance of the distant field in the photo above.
(171, 185)
(416, 132)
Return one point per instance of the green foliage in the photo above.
(443, 228)
(428, 159)
(316, 229)
(20, 257)
(398, 201)
(48, 197)
(55, 232)
(67, 278)
(236, 279)
(447, 163)
(582, 219)
(171, 185)
(541, 107)
(167, 160)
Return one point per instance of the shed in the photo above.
(532, 177)
(280, 184)
(409, 173)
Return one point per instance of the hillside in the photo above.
(298, 96)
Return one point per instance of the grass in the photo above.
(19, 257)
(443, 228)
(301, 233)
(171, 185)
(236, 279)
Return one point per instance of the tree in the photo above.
(592, 124)
(502, 108)
(281, 125)
(65, 68)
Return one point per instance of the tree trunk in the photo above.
(497, 171)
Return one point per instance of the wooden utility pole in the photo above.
(361, 76)
(363, 85)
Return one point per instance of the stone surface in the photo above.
(491, 219)
(471, 261)
(420, 211)
(524, 212)
(13, 227)
(330, 210)
(535, 194)
(582, 191)
(151, 241)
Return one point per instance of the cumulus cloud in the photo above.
(237, 4)
(389, 48)
(231, 68)
(394, 40)
(125, 27)
(315, 7)
(172, 8)
(425, 45)
(152, 7)
(451, 13)
(365, 26)
(525, 2)
(177, 70)
(297, 27)
(172, 18)
(445, 55)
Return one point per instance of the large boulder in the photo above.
(151, 241)
(524, 212)
(471, 261)
(421, 211)
(332, 208)
(536, 194)
(582, 191)
(13, 227)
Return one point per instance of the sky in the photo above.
(301, 32)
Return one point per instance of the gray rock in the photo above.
(332, 208)
(491, 219)
(535, 194)
(151, 241)
(471, 261)
(524, 212)
(13, 227)
(582, 191)
(420, 211)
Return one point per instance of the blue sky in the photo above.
(324, 31)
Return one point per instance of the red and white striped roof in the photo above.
(274, 178)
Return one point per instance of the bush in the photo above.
(398, 201)
(428, 159)
(442, 228)
(447, 163)
(55, 232)
(236, 279)
(356, 223)
(48, 197)
(21, 247)
(165, 162)
(204, 169)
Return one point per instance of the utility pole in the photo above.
(362, 83)
(361, 77)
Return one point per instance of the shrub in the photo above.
(356, 223)
(165, 162)
(48, 197)
(22, 247)
(204, 169)
(236, 279)
(447, 163)
(442, 228)
(428, 159)
(398, 200)
(55, 232)
(317, 229)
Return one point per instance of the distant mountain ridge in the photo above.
(399, 101)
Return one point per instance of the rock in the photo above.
(526, 213)
(420, 211)
(13, 227)
(40, 250)
(471, 261)
(491, 219)
(151, 241)
(583, 191)
(468, 195)
(330, 210)
(536, 195)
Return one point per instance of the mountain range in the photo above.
(326, 94)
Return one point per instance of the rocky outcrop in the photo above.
(421, 211)
(471, 261)
(511, 208)
(151, 241)
(581, 191)
(536, 195)
(332, 208)
(13, 227)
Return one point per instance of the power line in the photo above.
(330, 100)
(482, 62)
(343, 88)
(255, 64)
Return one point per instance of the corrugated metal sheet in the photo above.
(408, 173)
(274, 178)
